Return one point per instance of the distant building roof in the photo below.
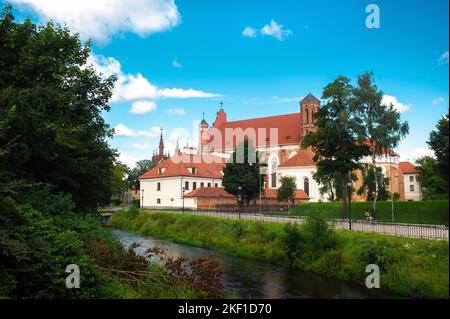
(215, 192)
(408, 168)
(304, 157)
(310, 97)
(206, 166)
(288, 126)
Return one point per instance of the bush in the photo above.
(319, 235)
(292, 240)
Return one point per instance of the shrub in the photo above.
(319, 235)
(292, 240)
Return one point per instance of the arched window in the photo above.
(306, 185)
(273, 171)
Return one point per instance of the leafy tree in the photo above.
(377, 123)
(119, 183)
(51, 104)
(242, 171)
(438, 142)
(286, 192)
(141, 167)
(335, 143)
(433, 184)
(372, 176)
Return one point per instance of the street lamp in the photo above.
(349, 191)
(239, 201)
(183, 189)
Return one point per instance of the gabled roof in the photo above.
(310, 97)
(288, 126)
(304, 157)
(178, 165)
(408, 168)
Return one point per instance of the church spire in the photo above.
(161, 143)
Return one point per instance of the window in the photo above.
(194, 185)
(306, 185)
(186, 185)
(209, 184)
(307, 116)
(193, 170)
(411, 188)
(158, 201)
(273, 177)
(160, 170)
(411, 178)
(216, 185)
(158, 186)
(202, 184)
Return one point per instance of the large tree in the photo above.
(286, 192)
(51, 105)
(335, 143)
(433, 183)
(378, 124)
(241, 173)
(438, 142)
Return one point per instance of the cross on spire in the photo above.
(221, 104)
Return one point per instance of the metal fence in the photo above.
(427, 231)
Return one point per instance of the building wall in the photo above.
(171, 191)
(410, 180)
(300, 173)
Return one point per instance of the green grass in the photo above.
(427, 212)
(409, 267)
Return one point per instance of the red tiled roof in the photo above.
(221, 192)
(206, 166)
(209, 192)
(408, 168)
(288, 126)
(304, 157)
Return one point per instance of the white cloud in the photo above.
(400, 107)
(102, 19)
(249, 32)
(184, 94)
(438, 100)
(422, 151)
(275, 30)
(142, 107)
(176, 111)
(176, 64)
(272, 100)
(130, 87)
(443, 59)
(122, 130)
(130, 161)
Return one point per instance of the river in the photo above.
(256, 279)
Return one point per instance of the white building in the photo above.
(412, 185)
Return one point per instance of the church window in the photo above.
(194, 185)
(306, 185)
(274, 179)
(209, 184)
(202, 184)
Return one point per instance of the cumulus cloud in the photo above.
(142, 107)
(122, 130)
(438, 100)
(132, 87)
(443, 59)
(249, 32)
(102, 19)
(400, 107)
(130, 161)
(176, 64)
(422, 151)
(275, 30)
(176, 111)
(140, 147)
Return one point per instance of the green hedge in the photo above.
(410, 267)
(428, 212)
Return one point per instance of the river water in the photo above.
(255, 279)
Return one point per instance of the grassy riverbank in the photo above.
(409, 267)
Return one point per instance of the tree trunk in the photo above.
(344, 197)
(375, 197)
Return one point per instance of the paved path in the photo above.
(438, 232)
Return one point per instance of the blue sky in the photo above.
(157, 45)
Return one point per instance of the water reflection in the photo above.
(255, 279)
